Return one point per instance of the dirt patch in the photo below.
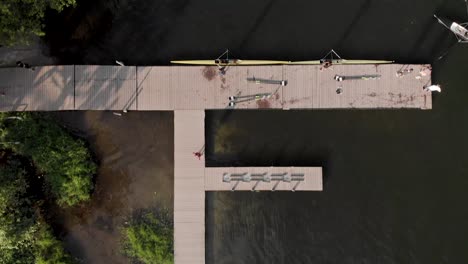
(209, 73)
(277, 96)
(372, 94)
(263, 104)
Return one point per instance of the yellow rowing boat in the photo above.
(341, 61)
(230, 62)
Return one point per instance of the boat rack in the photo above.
(263, 177)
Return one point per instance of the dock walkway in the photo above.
(192, 179)
(78, 87)
(189, 90)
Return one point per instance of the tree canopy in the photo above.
(65, 161)
(24, 237)
(22, 19)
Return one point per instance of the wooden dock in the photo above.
(189, 187)
(263, 179)
(192, 179)
(77, 87)
(189, 90)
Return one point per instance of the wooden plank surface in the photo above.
(189, 192)
(48, 88)
(203, 87)
(105, 87)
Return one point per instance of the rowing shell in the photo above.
(272, 62)
(230, 63)
(317, 62)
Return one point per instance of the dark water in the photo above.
(396, 182)
(136, 172)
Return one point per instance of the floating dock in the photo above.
(77, 87)
(189, 90)
(192, 179)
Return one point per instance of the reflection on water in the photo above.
(135, 152)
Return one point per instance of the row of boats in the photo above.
(460, 30)
(331, 58)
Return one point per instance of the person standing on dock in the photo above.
(326, 64)
(21, 64)
(199, 153)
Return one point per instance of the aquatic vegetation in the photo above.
(22, 19)
(24, 237)
(224, 138)
(149, 239)
(65, 161)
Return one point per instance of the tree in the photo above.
(24, 236)
(48, 249)
(22, 19)
(65, 161)
(17, 218)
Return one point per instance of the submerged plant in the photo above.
(149, 239)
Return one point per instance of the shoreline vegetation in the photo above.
(21, 20)
(40, 162)
(64, 161)
(148, 238)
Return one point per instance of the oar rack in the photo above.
(263, 177)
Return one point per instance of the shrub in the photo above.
(22, 19)
(149, 240)
(49, 250)
(64, 160)
(17, 219)
(24, 238)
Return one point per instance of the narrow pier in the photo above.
(192, 179)
(189, 187)
(77, 87)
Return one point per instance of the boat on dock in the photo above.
(331, 58)
(341, 61)
(229, 62)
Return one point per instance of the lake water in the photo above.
(395, 181)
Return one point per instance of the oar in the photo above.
(442, 22)
(466, 3)
(448, 50)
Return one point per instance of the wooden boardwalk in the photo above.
(52, 88)
(189, 90)
(189, 187)
(192, 179)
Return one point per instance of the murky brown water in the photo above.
(135, 152)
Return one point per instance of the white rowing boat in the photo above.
(460, 30)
